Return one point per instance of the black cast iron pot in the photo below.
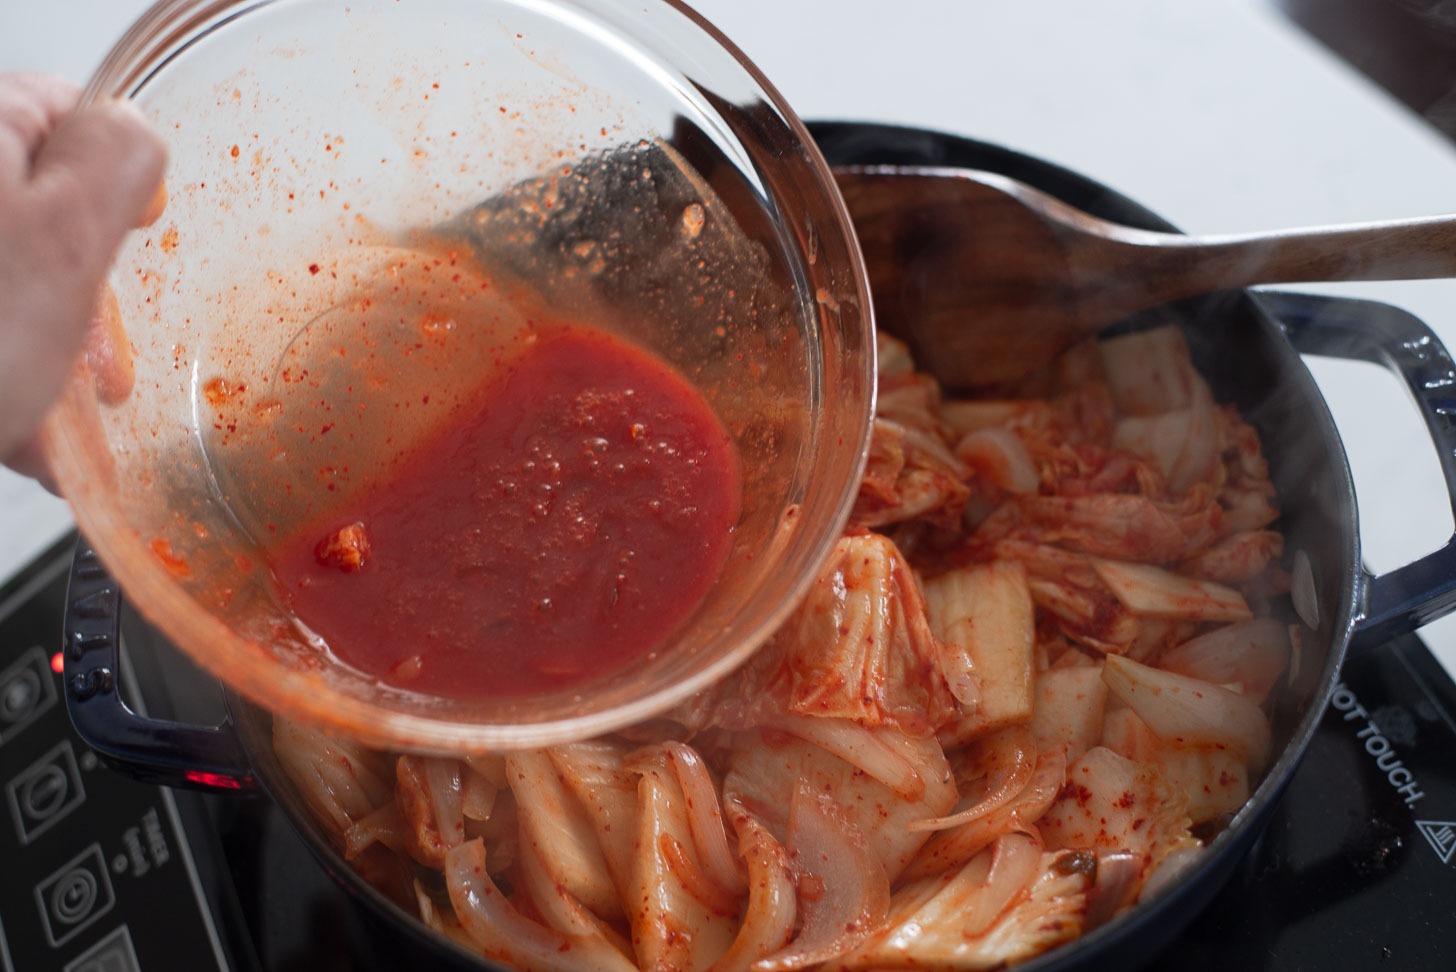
(1248, 347)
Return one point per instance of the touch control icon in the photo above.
(74, 895)
(43, 793)
(27, 689)
(114, 953)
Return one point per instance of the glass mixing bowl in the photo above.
(618, 160)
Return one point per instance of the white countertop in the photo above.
(1219, 115)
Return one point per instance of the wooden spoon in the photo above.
(989, 279)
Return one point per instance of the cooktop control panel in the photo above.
(96, 872)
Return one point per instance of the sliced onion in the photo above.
(1015, 858)
(951, 848)
(559, 909)
(768, 919)
(936, 923)
(381, 826)
(442, 922)
(1188, 711)
(1251, 654)
(1049, 914)
(683, 866)
(606, 790)
(705, 818)
(859, 747)
(508, 936)
(492, 766)
(559, 828)
(843, 892)
(679, 918)
(1008, 757)
(477, 795)
(443, 779)
(341, 781)
(419, 813)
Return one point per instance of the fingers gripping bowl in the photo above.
(373, 209)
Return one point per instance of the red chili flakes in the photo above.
(346, 549)
(219, 390)
(1075, 791)
(234, 151)
(313, 268)
(168, 241)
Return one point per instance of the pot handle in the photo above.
(1401, 600)
(151, 750)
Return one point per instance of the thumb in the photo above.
(97, 172)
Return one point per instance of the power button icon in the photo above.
(74, 895)
(43, 793)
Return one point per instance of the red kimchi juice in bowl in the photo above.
(560, 524)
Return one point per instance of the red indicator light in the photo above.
(215, 780)
(58, 663)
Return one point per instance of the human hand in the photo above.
(72, 184)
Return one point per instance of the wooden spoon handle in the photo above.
(1179, 266)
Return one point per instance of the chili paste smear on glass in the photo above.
(561, 524)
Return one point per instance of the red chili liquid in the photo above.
(560, 527)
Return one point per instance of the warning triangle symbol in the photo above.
(1441, 835)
